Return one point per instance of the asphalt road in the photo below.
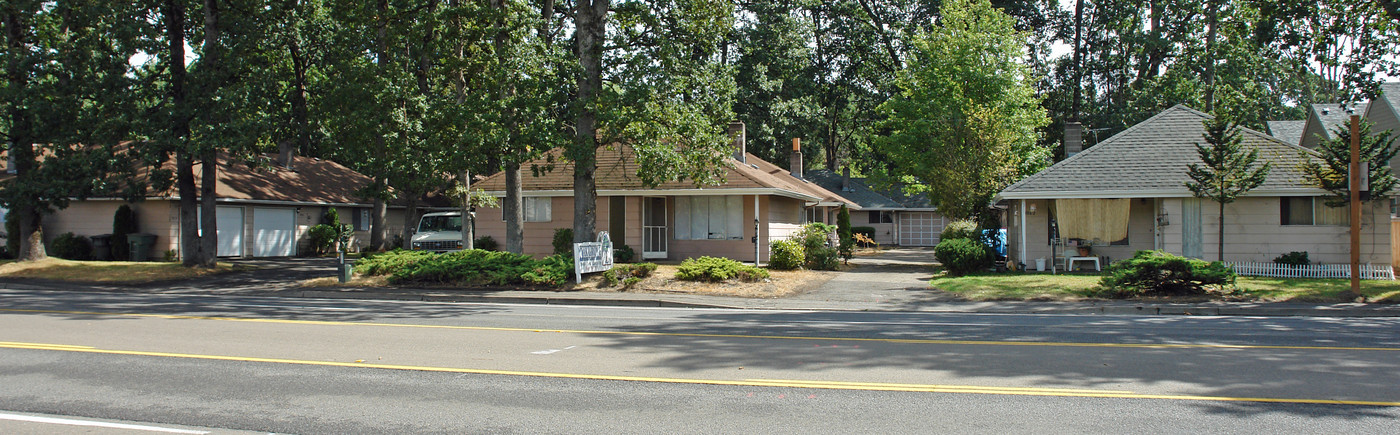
(313, 366)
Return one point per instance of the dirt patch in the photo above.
(663, 281)
(126, 272)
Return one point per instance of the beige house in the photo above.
(898, 219)
(1128, 193)
(757, 202)
(262, 211)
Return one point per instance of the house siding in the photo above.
(884, 233)
(94, 217)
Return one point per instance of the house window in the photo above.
(363, 219)
(881, 217)
(538, 209)
(1309, 210)
(709, 218)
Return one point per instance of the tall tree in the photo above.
(1333, 172)
(1227, 170)
(65, 104)
(964, 124)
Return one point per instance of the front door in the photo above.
(654, 228)
(1191, 228)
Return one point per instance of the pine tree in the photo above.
(843, 229)
(1228, 170)
(1332, 172)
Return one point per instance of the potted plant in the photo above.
(1084, 250)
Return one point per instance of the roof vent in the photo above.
(1326, 111)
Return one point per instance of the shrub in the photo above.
(473, 266)
(331, 217)
(786, 255)
(387, 262)
(813, 235)
(486, 243)
(628, 274)
(962, 255)
(553, 270)
(846, 243)
(123, 222)
(322, 238)
(869, 233)
(624, 254)
(70, 246)
(1294, 258)
(12, 234)
(714, 269)
(824, 258)
(960, 229)
(1161, 273)
(564, 241)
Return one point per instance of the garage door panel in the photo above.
(229, 231)
(919, 228)
(274, 232)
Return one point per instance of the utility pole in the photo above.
(1354, 173)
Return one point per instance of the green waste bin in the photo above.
(102, 247)
(140, 245)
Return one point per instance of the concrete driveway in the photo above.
(897, 276)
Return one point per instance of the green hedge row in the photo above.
(469, 267)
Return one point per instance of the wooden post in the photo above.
(1355, 190)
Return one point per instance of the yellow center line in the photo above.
(826, 385)
(704, 335)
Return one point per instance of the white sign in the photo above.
(592, 257)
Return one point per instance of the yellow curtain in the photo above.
(1103, 220)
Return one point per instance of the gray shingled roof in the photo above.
(1287, 131)
(1391, 92)
(1333, 115)
(1149, 160)
(869, 197)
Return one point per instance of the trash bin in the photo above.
(345, 272)
(140, 246)
(102, 247)
(1040, 264)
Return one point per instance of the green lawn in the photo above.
(105, 271)
(1038, 286)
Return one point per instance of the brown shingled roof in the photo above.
(617, 171)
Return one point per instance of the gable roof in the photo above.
(1323, 120)
(1287, 131)
(869, 197)
(617, 175)
(1390, 94)
(1148, 160)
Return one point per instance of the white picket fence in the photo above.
(1276, 270)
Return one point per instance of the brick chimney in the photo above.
(846, 179)
(736, 133)
(795, 166)
(1074, 138)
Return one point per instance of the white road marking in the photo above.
(299, 306)
(70, 422)
(547, 352)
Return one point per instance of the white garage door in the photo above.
(230, 231)
(919, 228)
(274, 232)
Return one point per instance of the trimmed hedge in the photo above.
(1162, 273)
(123, 222)
(486, 243)
(786, 255)
(961, 229)
(962, 255)
(71, 247)
(468, 267)
(715, 269)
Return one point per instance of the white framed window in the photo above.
(709, 218)
(538, 209)
(1311, 210)
(362, 224)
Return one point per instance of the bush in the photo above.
(486, 243)
(123, 222)
(962, 255)
(1161, 273)
(846, 243)
(322, 238)
(813, 235)
(961, 229)
(564, 241)
(331, 217)
(714, 269)
(12, 234)
(869, 232)
(71, 247)
(624, 254)
(628, 274)
(824, 258)
(786, 255)
(473, 266)
(1294, 258)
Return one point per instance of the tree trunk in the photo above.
(590, 21)
(513, 210)
(468, 232)
(31, 234)
(209, 241)
(190, 254)
(410, 221)
(1210, 57)
(377, 230)
(300, 112)
(21, 137)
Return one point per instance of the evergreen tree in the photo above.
(1227, 170)
(847, 244)
(1333, 171)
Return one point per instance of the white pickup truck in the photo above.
(439, 232)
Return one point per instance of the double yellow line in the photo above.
(776, 383)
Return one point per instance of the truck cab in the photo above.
(439, 232)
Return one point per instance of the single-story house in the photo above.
(1128, 193)
(757, 202)
(1287, 131)
(263, 211)
(898, 219)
